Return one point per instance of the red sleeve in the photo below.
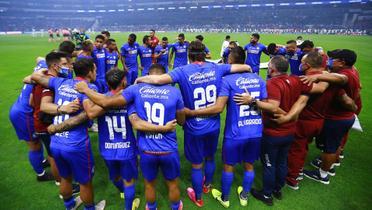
(273, 92)
(47, 92)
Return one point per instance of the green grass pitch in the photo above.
(349, 189)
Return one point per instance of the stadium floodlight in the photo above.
(112, 10)
(181, 7)
(171, 8)
(81, 11)
(121, 10)
(161, 8)
(284, 4)
(300, 3)
(102, 10)
(91, 10)
(217, 6)
(150, 8)
(256, 5)
(193, 7)
(229, 6)
(316, 2)
(355, 1)
(269, 5)
(140, 9)
(335, 2)
(205, 7)
(242, 5)
(130, 10)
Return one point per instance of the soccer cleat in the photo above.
(207, 188)
(315, 175)
(44, 177)
(122, 196)
(341, 156)
(100, 205)
(332, 171)
(45, 163)
(192, 196)
(337, 163)
(57, 183)
(147, 207)
(300, 176)
(135, 204)
(243, 201)
(78, 202)
(293, 185)
(316, 163)
(181, 206)
(218, 196)
(278, 195)
(268, 200)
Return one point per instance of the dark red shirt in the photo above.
(285, 89)
(352, 89)
(38, 93)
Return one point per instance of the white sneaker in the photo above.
(78, 202)
(136, 203)
(100, 205)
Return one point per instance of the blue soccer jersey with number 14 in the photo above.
(158, 105)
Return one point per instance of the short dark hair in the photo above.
(86, 44)
(256, 35)
(145, 39)
(314, 59)
(67, 47)
(199, 37)
(238, 55)
(157, 67)
(271, 48)
(107, 33)
(306, 44)
(114, 77)
(346, 55)
(181, 35)
(197, 51)
(291, 41)
(83, 66)
(164, 38)
(100, 36)
(280, 63)
(133, 36)
(233, 43)
(227, 37)
(54, 57)
(152, 30)
(109, 41)
(299, 37)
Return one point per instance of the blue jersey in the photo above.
(206, 50)
(163, 59)
(145, 54)
(77, 138)
(242, 121)
(281, 51)
(158, 105)
(180, 50)
(199, 84)
(80, 56)
(254, 54)
(130, 53)
(294, 60)
(225, 55)
(99, 57)
(111, 60)
(116, 138)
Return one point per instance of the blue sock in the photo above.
(129, 192)
(197, 182)
(176, 205)
(119, 184)
(36, 159)
(89, 207)
(247, 182)
(69, 202)
(210, 167)
(152, 206)
(227, 180)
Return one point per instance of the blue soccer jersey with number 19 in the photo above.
(158, 105)
(116, 138)
(242, 121)
(199, 84)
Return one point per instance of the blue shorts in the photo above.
(78, 164)
(23, 123)
(332, 133)
(101, 85)
(198, 147)
(132, 76)
(256, 69)
(238, 151)
(168, 163)
(126, 169)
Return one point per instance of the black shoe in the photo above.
(45, 163)
(268, 200)
(332, 171)
(278, 195)
(315, 175)
(45, 177)
(341, 156)
(316, 163)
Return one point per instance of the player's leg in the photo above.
(210, 148)
(149, 166)
(171, 169)
(194, 152)
(281, 164)
(45, 138)
(129, 173)
(113, 167)
(36, 156)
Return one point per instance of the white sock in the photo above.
(323, 174)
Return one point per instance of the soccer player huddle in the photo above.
(272, 120)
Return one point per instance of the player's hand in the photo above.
(281, 119)
(243, 98)
(308, 80)
(81, 87)
(52, 129)
(171, 125)
(70, 108)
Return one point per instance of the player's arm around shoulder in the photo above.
(144, 126)
(92, 110)
(238, 68)
(40, 77)
(155, 79)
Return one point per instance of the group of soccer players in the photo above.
(273, 120)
